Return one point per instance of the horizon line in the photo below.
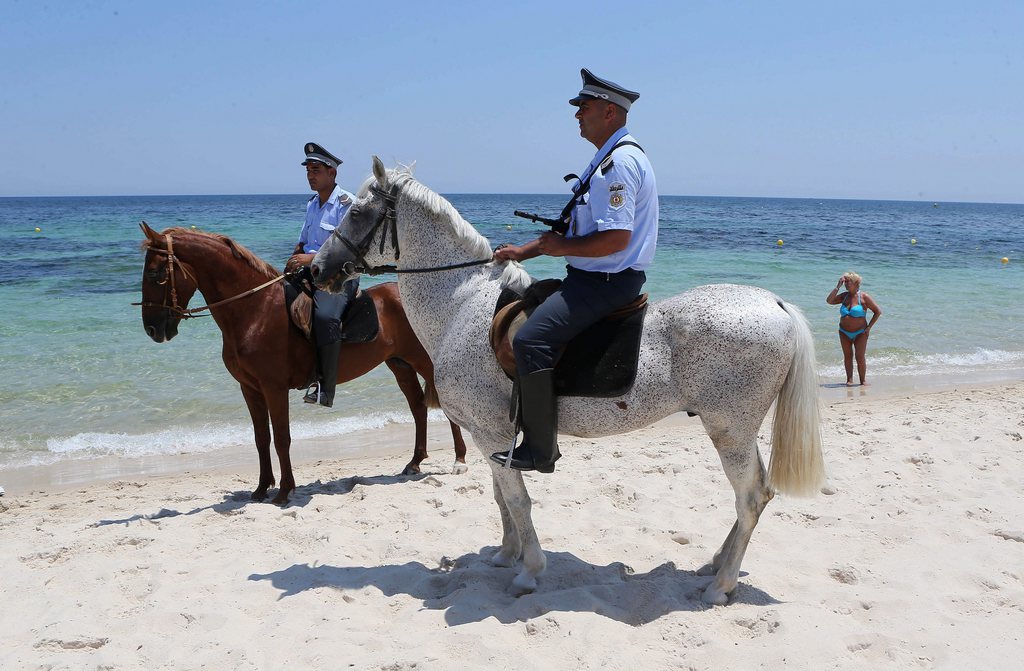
(488, 193)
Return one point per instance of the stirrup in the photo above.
(312, 393)
(508, 459)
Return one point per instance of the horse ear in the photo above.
(378, 170)
(150, 233)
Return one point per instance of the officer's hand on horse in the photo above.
(506, 252)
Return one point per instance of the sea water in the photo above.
(80, 378)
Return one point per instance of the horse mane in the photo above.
(238, 250)
(513, 275)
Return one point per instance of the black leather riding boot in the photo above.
(322, 390)
(328, 355)
(539, 449)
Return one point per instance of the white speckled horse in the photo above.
(723, 352)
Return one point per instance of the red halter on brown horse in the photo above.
(262, 350)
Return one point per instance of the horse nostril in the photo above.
(151, 331)
(314, 269)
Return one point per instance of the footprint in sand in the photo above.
(1010, 535)
(73, 644)
(767, 623)
(844, 574)
(42, 559)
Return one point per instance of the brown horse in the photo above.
(263, 350)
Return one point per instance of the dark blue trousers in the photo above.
(583, 299)
(327, 311)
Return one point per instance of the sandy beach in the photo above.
(912, 557)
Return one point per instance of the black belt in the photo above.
(607, 277)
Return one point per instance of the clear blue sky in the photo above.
(890, 100)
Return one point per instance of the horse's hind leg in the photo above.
(460, 450)
(743, 466)
(409, 383)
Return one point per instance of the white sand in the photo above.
(915, 560)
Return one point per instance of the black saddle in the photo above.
(600, 362)
(358, 323)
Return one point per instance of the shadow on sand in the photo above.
(470, 589)
(232, 502)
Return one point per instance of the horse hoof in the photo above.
(714, 596)
(411, 469)
(259, 495)
(280, 500)
(523, 584)
(502, 560)
(460, 468)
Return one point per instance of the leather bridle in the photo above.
(388, 221)
(192, 312)
(171, 259)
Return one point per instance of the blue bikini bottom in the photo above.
(852, 335)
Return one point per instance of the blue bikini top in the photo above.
(855, 311)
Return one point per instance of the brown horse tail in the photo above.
(430, 395)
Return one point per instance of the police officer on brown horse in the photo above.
(324, 211)
(612, 231)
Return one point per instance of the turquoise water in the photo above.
(81, 378)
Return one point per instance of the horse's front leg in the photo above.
(519, 538)
(277, 402)
(261, 433)
(511, 546)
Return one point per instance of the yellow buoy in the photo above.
(779, 242)
(38, 230)
(913, 241)
(1004, 260)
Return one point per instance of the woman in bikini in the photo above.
(854, 327)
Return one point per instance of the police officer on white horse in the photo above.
(611, 234)
(324, 211)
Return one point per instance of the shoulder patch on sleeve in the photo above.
(616, 198)
(344, 199)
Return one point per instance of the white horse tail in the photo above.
(797, 467)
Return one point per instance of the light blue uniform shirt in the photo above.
(321, 221)
(623, 195)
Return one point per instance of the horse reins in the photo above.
(388, 220)
(191, 313)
